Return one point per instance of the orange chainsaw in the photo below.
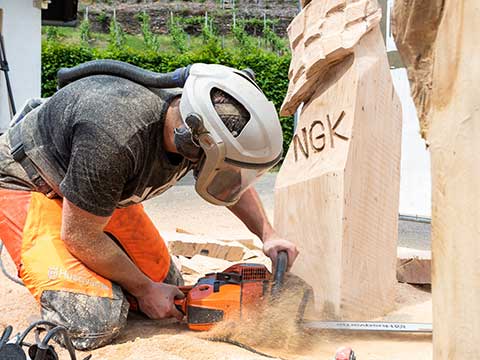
(233, 294)
(240, 291)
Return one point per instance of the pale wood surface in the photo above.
(189, 245)
(451, 119)
(202, 265)
(337, 191)
(321, 35)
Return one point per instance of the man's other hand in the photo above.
(274, 244)
(157, 301)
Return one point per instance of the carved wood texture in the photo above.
(337, 192)
(323, 34)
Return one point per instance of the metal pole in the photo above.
(4, 67)
(415, 218)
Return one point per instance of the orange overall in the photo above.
(90, 306)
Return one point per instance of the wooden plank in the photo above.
(414, 266)
(248, 243)
(438, 43)
(189, 245)
(336, 195)
(202, 265)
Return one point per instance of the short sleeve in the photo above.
(97, 172)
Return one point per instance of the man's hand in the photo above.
(157, 301)
(83, 235)
(274, 244)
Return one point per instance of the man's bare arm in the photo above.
(250, 211)
(83, 235)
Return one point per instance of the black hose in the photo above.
(66, 340)
(31, 327)
(124, 70)
(5, 335)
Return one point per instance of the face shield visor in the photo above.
(238, 144)
(220, 180)
(225, 184)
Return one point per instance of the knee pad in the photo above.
(92, 321)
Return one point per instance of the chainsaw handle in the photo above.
(181, 305)
(280, 270)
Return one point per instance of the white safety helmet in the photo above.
(232, 161)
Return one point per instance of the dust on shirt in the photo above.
(99, 143)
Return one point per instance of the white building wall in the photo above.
(415, 183)
(22, 36)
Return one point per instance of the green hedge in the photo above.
(271, 70)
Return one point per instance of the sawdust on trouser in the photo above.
(92, 321)
(275, 329)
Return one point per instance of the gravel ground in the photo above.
(149, 339)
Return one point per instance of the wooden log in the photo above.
(337, 193)
(438, 42)
(414, 266)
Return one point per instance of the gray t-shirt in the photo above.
(99, 143)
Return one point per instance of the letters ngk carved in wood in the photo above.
(315, 136)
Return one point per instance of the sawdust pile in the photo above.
(275, 329)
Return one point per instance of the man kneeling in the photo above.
(75, 169)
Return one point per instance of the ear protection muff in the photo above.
(186, 137)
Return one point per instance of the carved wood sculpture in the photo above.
(337, 192)
(438, 43)
(324, 33)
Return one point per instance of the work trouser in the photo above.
(92, 308)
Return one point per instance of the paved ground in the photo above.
(203, 217)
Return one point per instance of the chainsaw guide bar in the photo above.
(368, 326)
